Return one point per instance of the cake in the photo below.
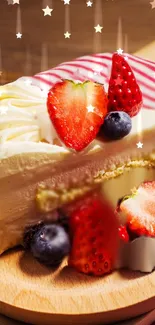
(40, 172)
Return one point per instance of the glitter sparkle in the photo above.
(89, 3)
(67, 35)
(47, 11)
(152, 3)
(90, 74)
(98, 70)
(19, 35)
(27, 82)
(120, 51)
(77, 119)
(66, 2)
(118, 81)
(139, 145)
(90, 108)
(98, 29)
(3, 110)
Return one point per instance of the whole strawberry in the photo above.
(95, 236)
(77, 111)
(124, 93)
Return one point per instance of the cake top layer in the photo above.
(23, 108)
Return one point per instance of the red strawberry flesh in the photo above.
(77, 111)
(95, 236)
(123, 234)
(124, 93)
(139, 210)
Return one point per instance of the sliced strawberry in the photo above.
(77, 111)
(139, 210)
(124, 93)
(95, 236)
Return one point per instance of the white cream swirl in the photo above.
(23, 114)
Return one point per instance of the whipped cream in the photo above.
(24, 118)
(23, 114)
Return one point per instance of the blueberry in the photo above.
(117, 124)
(29, 233)
(50, 244)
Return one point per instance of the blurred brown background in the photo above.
(43, 44)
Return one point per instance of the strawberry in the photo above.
(139, 210)
(95, 236)
(77, 111)
(124, 93)
(123, 234)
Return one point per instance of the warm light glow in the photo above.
(119, 44)
(28, 64)
(67, 32)
(98, 22)
(18, 23)
(126, 50)
(44, 57)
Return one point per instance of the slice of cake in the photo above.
(58, 145)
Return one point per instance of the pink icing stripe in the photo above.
(144, 70)
(135, 69)
(148, 107)
(65, 70)
(80, 66)
(149, 64)
(44, 81)
(92, 61)
(145, 75)
(152, 99)
(146, 63)
(146, 85)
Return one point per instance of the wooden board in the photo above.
(35, 294)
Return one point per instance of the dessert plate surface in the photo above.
(32, 293)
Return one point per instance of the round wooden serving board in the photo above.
(33, 293)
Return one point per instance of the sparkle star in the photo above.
(139, 145)
(152, 4)
(15, 2)
(3, 110)
(120, 51)
(47, 11)
(66, 2)
(90, 109)
(126, 58)
(90, 74)
(77, 81)
(98, 70)
(28, 82)
(118, 81)
(89, 3)
(77, 119)
(67, 35)
(91, 128)
(19, 35)
(98, 29)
